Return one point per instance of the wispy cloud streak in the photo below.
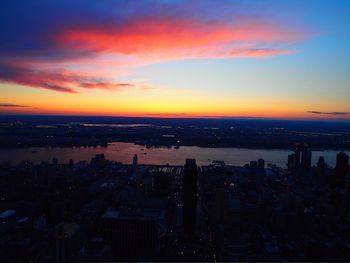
(10, 105)
(59, 80)
(336, 113)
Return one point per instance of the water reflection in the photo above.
(123, 152)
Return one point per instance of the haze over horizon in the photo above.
(256, 59)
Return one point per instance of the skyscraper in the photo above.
(306, 158)
(189, 199)
(321, 162)
(134, 160)
(134, 165)
(291, 162)
(321, 170)
(342, 166)
(300, 160)
(297, 159)
(261, 164)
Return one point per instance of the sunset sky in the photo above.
(274, 59)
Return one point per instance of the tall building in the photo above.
(297, 157)
(134, 161)
(261, 164)
(321, 170)
(291, 162)
(342, 166)
(134, 165)
(189, 199)
(306, 158)
(301, 159)
(321, 162)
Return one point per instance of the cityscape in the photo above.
(102, 210)
(174, 131)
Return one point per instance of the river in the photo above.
(123, 152)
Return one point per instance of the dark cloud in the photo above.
(57, 88)
(12, 105)
(336, 113)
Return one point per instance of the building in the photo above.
(321, 163)
(134, 165)
(6, 215)
(261, 164)
(306, 156)
(253, 165)
(300, 159)
(189, 199)
(321, 170)
(132, 233)
(67, 242)
(98, 161)
(298, 153)
(342, 166)
(291, 162)
(161, 183)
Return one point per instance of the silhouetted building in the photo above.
(161, 183)
(261, 164)
(71, 163)
(67, 242)
(291, 162)
(300, 159)
(342, 166)
(306, 156)
(298, 153)
(253, 165)
(132, 234)
(189, 199)
(321, 162)
(134, 164)
(54, 161)
(99, 160)
(321, 170)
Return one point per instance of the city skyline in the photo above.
(264, 59)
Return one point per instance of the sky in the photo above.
(227, 58)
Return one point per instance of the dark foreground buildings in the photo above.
(108, 211)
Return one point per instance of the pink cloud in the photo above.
(99, 53)
(170, 38)
(58, 80)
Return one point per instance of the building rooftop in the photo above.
(7, 214)
(66, 230)
(136, 214)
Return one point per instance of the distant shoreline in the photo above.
(181, 145)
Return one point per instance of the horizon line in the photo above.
(178, 117)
